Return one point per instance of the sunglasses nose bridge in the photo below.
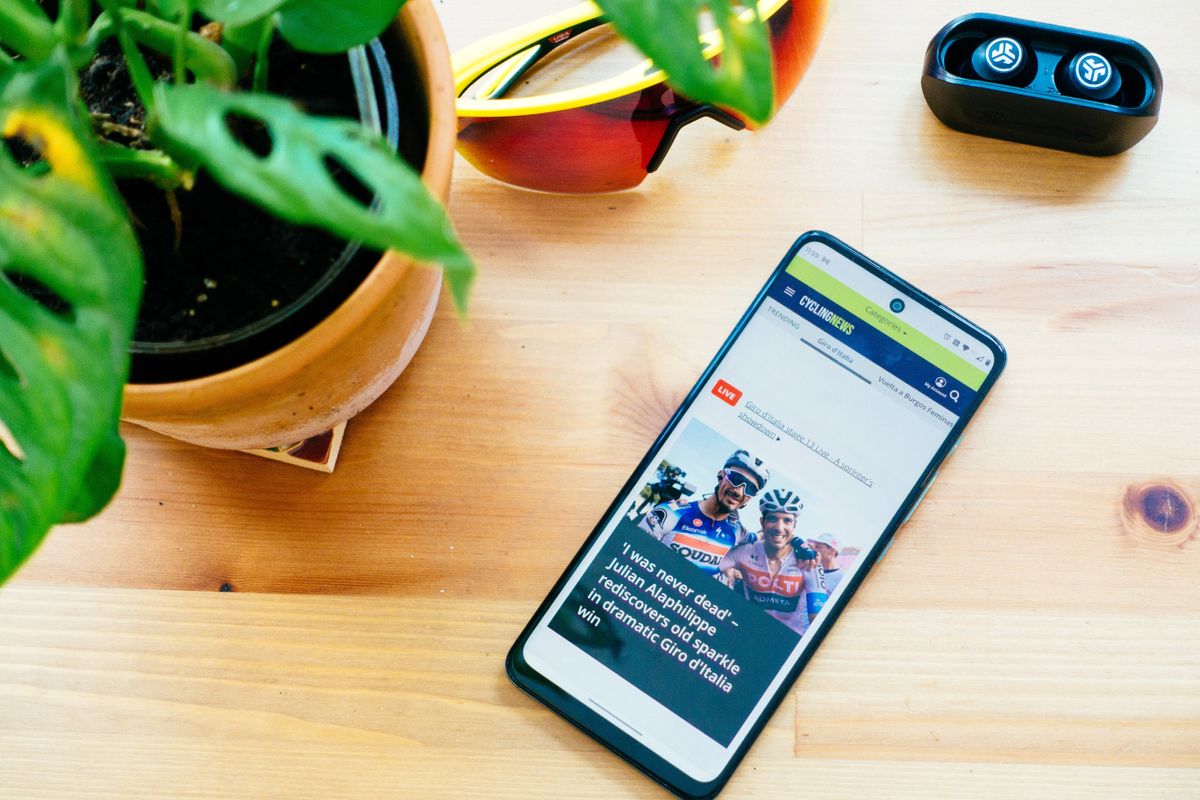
(742, 484)
(682, 120)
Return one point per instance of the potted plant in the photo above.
(197, 111)
(71, 262)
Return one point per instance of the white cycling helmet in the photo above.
(780, 500)
(750, 465)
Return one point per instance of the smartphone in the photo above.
(775, 487)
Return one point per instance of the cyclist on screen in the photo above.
(704, 530)
(827, 547)
(777, 572)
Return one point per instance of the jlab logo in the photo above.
(1004, 54)
(1093, 71)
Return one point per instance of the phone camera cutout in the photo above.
(897, 305)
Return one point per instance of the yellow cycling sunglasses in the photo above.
(610, 134)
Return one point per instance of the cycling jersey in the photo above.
(832, 578)
(693, 534)
(788, 597)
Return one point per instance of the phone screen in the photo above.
(768, 496)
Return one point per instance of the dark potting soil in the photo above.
(227, 282)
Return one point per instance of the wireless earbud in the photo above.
(1001, 59)
(1042, 84)
(1089, 75)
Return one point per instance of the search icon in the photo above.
(954, 395)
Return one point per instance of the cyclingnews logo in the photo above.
(823, 313)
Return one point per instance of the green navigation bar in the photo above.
(870, 312)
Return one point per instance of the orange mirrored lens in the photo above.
(603, 147)
(795, 31)
(606, 147)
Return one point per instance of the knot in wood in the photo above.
(1160, 512)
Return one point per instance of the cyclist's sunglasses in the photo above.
(608, 135)
(738, 480)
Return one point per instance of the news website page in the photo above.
(702, 591)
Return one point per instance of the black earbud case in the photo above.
(1042, 107)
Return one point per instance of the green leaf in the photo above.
(30, 5)
(100, 481)
(25, 29)
(332, 26)
(237, 12)
(61, 370)
(165, 9)
(294, 180)
(73, 19)
(668, 32)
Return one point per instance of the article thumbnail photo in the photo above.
(745, 523)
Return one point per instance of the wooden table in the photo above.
(232, 627)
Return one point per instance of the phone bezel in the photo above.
(607, 733)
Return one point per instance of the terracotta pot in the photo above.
(345, 362)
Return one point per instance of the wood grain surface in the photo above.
(232, 627)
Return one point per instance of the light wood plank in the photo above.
(292, 696)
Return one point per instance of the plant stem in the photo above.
(72, 22)
(260, 57)
(139, 73)
(185, 24)
(152, 165)
(207, 59)
(28, 33)
(101, 29)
